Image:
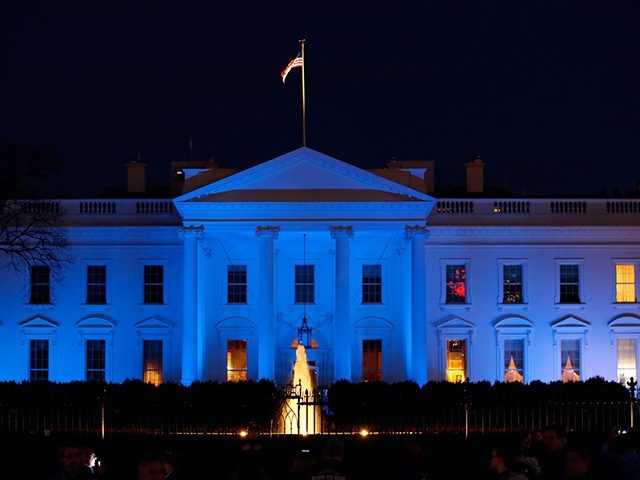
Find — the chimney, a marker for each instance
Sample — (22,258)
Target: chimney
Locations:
(475,175)
(430,176)
(136,176)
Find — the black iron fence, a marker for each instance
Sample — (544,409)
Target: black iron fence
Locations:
(228,408)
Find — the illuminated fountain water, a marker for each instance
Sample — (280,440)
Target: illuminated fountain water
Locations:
(300,414)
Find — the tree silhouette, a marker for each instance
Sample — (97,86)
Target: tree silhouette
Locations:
(30,228)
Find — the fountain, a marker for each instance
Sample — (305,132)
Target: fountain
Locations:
(300,414)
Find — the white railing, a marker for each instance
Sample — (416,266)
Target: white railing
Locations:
(549,211)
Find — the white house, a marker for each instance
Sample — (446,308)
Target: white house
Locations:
(394,284)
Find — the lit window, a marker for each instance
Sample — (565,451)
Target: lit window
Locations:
(626,360)
(236,284)
(39,360)
(570,283)
(456,360)
(96,360)
(153,284)
(152,361)
(96,284)
(40,285)
(512,284)
(371,284)
(625,283)
(456,283)
(372,360)
(305,284)
(236,360)
(514,360)
(570,359)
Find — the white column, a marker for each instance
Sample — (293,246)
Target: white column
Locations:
(267,327)
(418,372)
(190,234)
(203,253)
(342,317)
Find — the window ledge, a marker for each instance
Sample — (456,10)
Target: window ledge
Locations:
(238,304)
(455,306)
(39,306)
(623,305)
(513,306)
(95,306)
(567,306)
(158,306)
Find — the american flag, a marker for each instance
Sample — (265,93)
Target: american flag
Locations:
(298,61)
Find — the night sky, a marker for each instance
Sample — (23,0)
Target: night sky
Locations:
(548,93)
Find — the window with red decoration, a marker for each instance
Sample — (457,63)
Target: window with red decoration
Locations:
(456,282)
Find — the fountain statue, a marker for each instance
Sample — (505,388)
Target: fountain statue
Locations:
(300,414)
(568,373)
(512,375)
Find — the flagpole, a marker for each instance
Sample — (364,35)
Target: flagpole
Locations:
(304,103)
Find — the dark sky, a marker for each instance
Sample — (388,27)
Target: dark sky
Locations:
(548,92)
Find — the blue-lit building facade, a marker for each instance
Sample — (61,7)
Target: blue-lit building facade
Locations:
(215,283)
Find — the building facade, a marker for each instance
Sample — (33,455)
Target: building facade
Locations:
(394,284)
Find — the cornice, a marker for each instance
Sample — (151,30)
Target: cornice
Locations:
(149,234)
(524,235)
(223,206)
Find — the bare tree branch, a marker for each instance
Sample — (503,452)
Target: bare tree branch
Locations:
(30,229)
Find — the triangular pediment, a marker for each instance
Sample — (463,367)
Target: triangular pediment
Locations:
(570,322)
(456,323)
(304,175)
(38,322)
(154,322)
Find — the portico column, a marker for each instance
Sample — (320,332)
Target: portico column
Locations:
(342,318)
(418,373)
(190,234)
(267,328)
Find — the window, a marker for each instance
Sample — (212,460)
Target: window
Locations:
(39,360)
(40,285)
(456,360)
(571,360)
(625,283)
(372,284)
(96,284)
(456,283)
(96,360)
(372,360)
(512,284)
(305,284)
(236,284)
(236,360)
(570,283)
(514,360)
(153,284)
(152,361)
(626,360)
